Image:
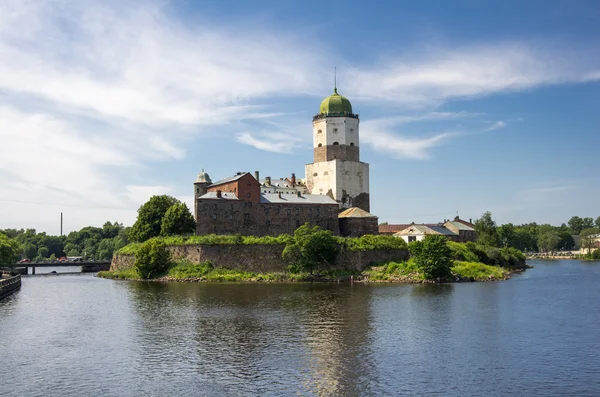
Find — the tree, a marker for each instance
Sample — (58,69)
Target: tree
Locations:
(548,241)
(587,223)
(485,227)
(588,237)
(152,259)
(507,235)
(9,250)
(597,222)
(178,220)
(311,248)
(575,225)
(433,256)
(150,217)
(42,252)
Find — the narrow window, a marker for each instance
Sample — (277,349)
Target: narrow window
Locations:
(320,144)
(318,132)
(248,195)
(351,143)
(335,130)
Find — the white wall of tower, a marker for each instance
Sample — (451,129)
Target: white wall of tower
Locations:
(343,130)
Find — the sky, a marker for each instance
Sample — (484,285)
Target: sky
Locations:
(465,106)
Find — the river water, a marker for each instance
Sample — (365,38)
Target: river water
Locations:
(537,334)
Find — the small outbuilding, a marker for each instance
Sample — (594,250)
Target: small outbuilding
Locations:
(356,222)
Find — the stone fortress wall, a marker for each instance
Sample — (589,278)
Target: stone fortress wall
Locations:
(260,258)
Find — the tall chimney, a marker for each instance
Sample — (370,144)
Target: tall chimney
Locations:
(219,194)
(256,176)
(293,179)
(279,194)
(268,181)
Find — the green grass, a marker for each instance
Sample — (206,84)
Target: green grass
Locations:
(479,271)
(395,271)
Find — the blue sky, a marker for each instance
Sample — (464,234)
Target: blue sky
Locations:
(465,106)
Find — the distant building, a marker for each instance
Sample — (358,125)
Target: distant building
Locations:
(457,230)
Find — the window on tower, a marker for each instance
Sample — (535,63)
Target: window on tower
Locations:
(335,143)
(320,144)
(318,132)
(335,130)
(351,143)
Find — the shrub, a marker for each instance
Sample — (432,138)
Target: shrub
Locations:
(152,259)
(311,248)
(478,271)
(432,256)
(370,242)
(461,252)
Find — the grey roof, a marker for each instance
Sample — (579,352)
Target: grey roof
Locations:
(203,178)
(295,199)
(224,196)
(425,229)
(461,226)
(230,179)
(277,182)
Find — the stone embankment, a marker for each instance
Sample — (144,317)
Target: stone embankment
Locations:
(9,284)
(259,258)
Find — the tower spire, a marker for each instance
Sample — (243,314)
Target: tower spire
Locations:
(335,79)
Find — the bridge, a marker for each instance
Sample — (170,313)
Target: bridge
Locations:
(86,266)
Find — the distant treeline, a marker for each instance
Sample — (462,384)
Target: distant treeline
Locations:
(90,242)
(531,237)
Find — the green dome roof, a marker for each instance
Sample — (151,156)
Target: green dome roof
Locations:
(335,103)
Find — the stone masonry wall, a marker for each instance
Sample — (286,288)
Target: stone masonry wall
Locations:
(259,258)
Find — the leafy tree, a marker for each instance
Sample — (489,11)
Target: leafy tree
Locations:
(311,248)
(597,222)
(588,223)
(485,227)
(566,241)
(150,217)
(152,259)
(178,220)
(548,241)
(52,258)
(42,252)
(575,225)
(507,235)
(433,256)
(30,250)
(9,250)
(588,238)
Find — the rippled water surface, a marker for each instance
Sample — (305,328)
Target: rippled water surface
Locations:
(537,334)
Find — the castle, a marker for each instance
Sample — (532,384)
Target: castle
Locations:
(334,194)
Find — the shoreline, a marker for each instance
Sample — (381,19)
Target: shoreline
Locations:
(284,278)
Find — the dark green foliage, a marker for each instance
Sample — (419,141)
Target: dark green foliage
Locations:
(178,220)
(312,248)
(487,233)
(152,259)
(432,256)
(9,250)
(150,217)
(548,241)
(370,242)
(471,252)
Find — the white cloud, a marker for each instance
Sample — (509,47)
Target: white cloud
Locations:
(497,125)
(438,74)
